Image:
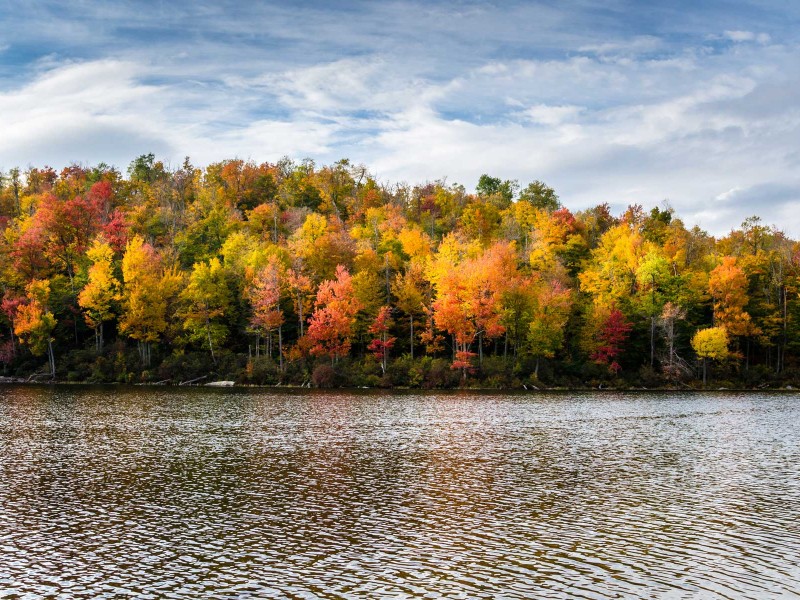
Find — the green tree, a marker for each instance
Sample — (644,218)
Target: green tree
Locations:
(540,195)
(206,302)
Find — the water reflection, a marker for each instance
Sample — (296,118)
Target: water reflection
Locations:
(186,493)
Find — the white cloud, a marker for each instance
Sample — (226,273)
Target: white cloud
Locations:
(747,36)
(722,197)
(420,93)
(545,114)
(636,45)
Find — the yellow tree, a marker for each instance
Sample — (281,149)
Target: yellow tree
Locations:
(147,292)
(610,276)
(321,245)
(34,323)
(712,343)
(409,289)
(101,292)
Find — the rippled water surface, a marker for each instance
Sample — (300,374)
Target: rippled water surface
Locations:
(195,493)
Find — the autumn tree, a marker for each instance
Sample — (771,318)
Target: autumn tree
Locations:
(102,291)
(34,322)
(206,302)
(382,343)
(330,327)
(550,311)
(148,288)
(409,290)
(710,343)
(611,336)
(468,297)
(727,284)
(320,246)
(265,294)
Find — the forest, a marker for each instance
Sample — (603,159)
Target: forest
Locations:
(298,274)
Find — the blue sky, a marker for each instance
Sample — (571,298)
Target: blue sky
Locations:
(607,101)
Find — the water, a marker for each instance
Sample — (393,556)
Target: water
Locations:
(164,493)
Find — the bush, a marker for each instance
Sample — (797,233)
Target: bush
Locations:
(497,372)
(649,377)
(408,372)
(296,373)
(261,371)
(185,367)
(323,376)
(440,375)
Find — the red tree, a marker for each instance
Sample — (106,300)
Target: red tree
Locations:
(383,343)
(612,335)
(331,325)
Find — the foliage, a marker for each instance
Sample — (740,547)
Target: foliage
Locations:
(610,338)
(331,325)
(711,343)
(426,285)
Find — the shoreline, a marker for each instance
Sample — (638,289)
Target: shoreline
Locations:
(230,386)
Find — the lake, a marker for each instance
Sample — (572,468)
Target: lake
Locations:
(186,493)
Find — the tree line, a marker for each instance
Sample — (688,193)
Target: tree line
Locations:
(292,273)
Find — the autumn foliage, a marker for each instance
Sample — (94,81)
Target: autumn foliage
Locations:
(267,272)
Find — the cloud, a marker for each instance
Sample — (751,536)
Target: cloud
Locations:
(545,114)
(600,101)
(82,111)
(775,202)
(747,36)
(636,45)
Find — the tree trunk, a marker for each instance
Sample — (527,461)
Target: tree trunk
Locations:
(705,363)
(280,347)
(384,361)
(13,338)
(300,316)
(747,355)
(210,343)
(52,358)
(652,341)
(411,337)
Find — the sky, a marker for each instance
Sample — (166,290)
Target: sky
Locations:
(696,104)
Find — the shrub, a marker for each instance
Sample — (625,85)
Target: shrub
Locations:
(440,375)
(261,371)
(323,376)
